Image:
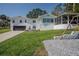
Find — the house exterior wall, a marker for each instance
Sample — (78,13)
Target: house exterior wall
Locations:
(47,25)
(17,22)
(29,24)
(62,26)
(39,24)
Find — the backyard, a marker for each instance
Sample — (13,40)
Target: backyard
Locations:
(28,43)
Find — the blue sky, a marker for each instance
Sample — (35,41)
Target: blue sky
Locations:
(21,9)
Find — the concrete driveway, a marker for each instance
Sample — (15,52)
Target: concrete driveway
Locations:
(10,34)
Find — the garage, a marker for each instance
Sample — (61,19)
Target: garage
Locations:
(19,27)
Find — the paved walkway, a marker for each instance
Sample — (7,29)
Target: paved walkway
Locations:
(62,47)
(7,35)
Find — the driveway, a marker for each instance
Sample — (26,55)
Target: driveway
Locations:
(10,34)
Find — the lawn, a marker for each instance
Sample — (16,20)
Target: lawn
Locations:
(3,30)
(27,43)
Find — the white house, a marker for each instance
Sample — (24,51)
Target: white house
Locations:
(44,22)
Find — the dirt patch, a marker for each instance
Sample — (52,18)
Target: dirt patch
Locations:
(40,52)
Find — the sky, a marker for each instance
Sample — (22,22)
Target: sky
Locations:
(21,9)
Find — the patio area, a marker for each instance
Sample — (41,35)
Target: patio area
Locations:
(62,47)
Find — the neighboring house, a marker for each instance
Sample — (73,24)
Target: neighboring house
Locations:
(44,22)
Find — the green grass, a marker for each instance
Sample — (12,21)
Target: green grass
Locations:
(26,43)
(3,30)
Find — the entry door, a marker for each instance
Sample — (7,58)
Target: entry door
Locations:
(34,27)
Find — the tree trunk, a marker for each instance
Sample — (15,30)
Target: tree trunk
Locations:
(73,7)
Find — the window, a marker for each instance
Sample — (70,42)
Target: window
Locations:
(25,21)
(34,21)
(34,27)
(59,20)
(20,21)
(13,21)
(51,20)
(44,20)
(47,20)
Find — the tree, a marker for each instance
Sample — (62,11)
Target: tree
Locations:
(4,21)
(35,13)
(58,10)
(66,7)
(71,7)
(77,7)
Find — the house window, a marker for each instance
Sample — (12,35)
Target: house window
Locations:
(20,21)
(34,27)
(25,21)
(13,21)
(34,21)
(44,20)
(51,20)
(47,20)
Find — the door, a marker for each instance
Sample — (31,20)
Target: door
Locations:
(19,27)
(34,27)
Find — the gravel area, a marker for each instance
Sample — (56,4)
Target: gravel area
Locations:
(10,34)
(62,47)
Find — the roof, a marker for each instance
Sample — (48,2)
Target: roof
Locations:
(65,13)
(48,15)
(18,17)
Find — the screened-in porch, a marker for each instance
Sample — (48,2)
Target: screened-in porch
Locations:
(66,18)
